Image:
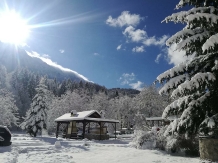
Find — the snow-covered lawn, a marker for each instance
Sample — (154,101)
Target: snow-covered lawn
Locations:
(25,149)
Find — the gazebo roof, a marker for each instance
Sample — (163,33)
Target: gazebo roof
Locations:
(84,115)
(170,118)
(154,119)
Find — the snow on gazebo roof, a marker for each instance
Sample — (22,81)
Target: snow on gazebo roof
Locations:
(154,119)
(170,118)
(84,115)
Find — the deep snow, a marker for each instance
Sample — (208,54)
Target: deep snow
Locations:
(45,149)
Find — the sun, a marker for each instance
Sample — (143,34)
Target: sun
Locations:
(13,29)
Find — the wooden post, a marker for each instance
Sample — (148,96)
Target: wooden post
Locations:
(84,129)
(115,131)
(100,130)
(89,128)
(71,129)
(57,129)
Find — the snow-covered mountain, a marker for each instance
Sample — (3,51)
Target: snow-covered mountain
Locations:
(14,57)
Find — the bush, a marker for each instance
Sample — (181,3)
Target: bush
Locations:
(144,139)
(161,139)
(171,143)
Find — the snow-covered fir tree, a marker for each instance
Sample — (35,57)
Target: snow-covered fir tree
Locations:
(36,116)
(193,84)
(8,109)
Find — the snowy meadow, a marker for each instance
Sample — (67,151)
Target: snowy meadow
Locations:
(46,149)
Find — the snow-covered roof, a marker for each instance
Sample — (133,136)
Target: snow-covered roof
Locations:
(154,119)
(170,118)
(102,120)
(84,115)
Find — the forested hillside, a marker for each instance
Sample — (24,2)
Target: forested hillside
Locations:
(19,90)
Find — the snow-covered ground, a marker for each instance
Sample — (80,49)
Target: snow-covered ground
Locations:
(25,149)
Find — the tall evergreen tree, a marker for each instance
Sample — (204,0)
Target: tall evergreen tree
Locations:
(36,116)
(8,109)
(193,84)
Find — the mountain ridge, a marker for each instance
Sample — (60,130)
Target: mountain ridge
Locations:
(13,57)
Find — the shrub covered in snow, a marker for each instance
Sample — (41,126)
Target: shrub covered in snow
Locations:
(161,139)
(164,141)
(144,139)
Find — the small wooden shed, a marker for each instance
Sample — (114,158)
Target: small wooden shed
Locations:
(159,121)
(86,124)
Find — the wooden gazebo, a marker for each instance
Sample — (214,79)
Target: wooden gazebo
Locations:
(86,124)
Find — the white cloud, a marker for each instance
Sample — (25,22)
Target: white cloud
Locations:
(45,56)
(138,35)
(61,51)
(125,19)
(135,35)
(119,47)
(51,63)
(138,49)
(138,85)
(158,58)
(153,41)
(96,54)
(175,57)
(132,34)
(127,78)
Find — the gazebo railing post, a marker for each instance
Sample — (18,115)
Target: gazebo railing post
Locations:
(84,129)
(57,129)
(100,130)
(115,131)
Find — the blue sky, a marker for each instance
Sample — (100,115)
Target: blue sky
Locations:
(115,43)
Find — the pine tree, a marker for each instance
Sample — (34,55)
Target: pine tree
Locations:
(8,109)
(36,116)
(192,84)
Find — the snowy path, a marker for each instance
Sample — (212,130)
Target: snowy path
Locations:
(26,149)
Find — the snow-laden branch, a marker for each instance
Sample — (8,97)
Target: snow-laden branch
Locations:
(176,106)
(172,83)
(181,35)
(210,18)
(194,13)
(210,43)
(196,82)
(188,41)
(172,72)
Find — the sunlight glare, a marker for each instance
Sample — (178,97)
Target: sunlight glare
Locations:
(13,28)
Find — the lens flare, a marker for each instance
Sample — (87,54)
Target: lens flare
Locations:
(13,28)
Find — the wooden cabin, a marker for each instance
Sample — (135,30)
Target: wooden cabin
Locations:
(87,124)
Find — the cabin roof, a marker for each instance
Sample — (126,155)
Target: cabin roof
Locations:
(170,118)
(154,119)
(91,115)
